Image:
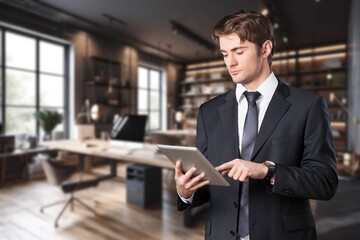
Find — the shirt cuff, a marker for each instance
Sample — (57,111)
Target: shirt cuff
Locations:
(186,200)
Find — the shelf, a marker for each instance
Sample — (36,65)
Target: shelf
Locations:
(340,126)
(319,88)
(201,95)
(209,81)
(110,104)
(106,84)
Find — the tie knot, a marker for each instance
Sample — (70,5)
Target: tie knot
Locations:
(251,96)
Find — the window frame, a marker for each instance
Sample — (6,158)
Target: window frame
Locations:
(149,90)
(66,77)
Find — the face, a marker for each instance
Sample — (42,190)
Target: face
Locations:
(245,63)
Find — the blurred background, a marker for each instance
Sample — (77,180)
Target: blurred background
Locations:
(93,61)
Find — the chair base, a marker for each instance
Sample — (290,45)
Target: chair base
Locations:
(70,202)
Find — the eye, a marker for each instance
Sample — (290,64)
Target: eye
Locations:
(239,53)
(225,55)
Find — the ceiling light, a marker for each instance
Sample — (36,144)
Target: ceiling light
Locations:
(177,28)
(276,25)
(285,39)
(265,12)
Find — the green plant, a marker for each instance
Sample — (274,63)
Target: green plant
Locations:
(48,120)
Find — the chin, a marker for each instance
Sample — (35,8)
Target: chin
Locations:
(238,80)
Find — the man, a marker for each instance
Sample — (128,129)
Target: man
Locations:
(272,142)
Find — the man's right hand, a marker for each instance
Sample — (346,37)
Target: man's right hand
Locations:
(186,184)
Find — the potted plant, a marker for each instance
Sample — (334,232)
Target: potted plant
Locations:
(48,120)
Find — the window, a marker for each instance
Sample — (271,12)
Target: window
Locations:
(150,92)
(34,78)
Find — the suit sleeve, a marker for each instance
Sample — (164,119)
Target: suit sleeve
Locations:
(316,178)
(202,195)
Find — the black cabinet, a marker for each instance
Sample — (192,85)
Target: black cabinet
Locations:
(143,185)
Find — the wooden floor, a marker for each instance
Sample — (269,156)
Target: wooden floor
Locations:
(20,217)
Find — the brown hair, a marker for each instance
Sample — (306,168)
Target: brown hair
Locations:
(251,26)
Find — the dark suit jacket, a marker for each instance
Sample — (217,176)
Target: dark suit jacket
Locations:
(296,135)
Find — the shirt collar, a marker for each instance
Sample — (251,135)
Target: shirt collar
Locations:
(266,89)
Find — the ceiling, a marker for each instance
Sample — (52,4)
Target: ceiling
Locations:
(146,24)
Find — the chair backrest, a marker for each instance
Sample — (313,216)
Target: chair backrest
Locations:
(54,172)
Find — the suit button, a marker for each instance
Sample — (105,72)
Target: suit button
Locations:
(232,233)
(235,205)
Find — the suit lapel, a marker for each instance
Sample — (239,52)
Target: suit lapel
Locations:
(276,110)
(228,118)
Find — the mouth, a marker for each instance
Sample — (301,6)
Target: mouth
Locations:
(234,72)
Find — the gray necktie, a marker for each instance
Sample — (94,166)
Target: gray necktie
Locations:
(247,146)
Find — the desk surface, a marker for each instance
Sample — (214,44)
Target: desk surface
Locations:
(99,148)
(20,152)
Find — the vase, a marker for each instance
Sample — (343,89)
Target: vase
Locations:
(47,136)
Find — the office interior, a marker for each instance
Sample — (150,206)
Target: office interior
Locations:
(87,67)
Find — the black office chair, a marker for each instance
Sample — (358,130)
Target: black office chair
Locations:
(67,176)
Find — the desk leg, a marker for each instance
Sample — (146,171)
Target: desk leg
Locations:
(113,168)
(81,162)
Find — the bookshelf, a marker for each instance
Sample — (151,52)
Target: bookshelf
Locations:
(106,89)
(322,70)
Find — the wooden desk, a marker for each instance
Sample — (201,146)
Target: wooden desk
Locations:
(99,148)
(23,154)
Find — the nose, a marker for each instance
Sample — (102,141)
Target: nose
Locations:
(232,61)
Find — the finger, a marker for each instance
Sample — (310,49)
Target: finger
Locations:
(199,185)
(197,178)
(194,181)
(225,166)
(190,173)
(244,176)
(225,173)
(178,169)
(237,175)
(232,172)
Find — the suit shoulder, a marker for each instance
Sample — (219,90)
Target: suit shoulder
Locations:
(302,95)
(218,100)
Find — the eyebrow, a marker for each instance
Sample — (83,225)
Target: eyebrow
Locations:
(233,49)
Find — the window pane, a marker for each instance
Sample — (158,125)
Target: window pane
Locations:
(154,80)
(143,78)
(51,91)
(154,100)
(20,51)
(154,120)
(20,120)
(20,88)
(51,58)
(142,99)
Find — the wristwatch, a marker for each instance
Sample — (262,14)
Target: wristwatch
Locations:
(271,169)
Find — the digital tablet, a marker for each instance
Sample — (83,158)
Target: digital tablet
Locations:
(192,157)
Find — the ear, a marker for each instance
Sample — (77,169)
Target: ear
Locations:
(266,48)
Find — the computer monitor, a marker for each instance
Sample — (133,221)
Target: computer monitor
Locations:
(129,128)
